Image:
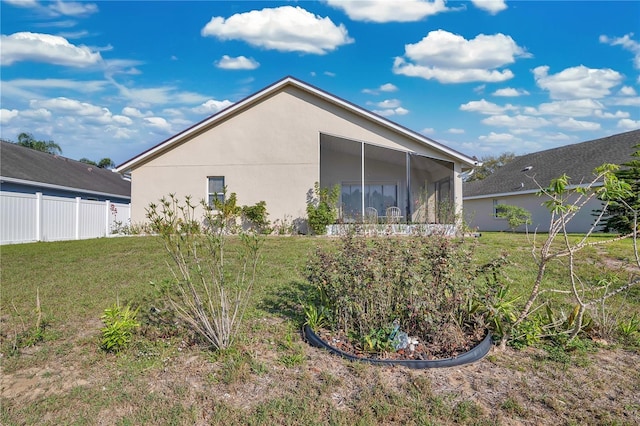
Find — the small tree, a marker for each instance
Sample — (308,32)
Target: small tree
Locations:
(322,207)
(619,217)
(515,215)
(564,202)
(489,165)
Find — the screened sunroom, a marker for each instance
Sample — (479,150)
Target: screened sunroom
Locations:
(375,181)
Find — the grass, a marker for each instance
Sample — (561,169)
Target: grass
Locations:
(270,376)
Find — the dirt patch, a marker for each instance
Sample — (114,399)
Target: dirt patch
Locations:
(510,387)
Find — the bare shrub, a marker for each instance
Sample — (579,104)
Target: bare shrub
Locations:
(211,291)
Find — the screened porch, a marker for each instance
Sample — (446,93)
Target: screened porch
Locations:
(382,185)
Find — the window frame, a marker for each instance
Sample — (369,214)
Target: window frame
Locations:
(219,195)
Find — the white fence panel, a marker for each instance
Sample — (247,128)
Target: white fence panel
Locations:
(34,217)
(58,218)
(92,219)
(17,217)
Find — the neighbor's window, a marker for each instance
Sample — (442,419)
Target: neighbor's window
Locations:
(216,189)
(496,203)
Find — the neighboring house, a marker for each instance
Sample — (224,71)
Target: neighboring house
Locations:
(275,144)
(515,183)
(46,197)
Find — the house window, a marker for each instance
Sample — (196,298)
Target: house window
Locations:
(216,189)
(496,203)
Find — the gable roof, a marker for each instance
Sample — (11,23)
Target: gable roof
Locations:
(577,160)
(27,166)
(270,90)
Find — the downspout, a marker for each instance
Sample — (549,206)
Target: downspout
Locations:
(362,178)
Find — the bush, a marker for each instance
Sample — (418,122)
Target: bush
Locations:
(322,208)
(425,284)
(257,216)
(515,215)
(118,328)
(208,297)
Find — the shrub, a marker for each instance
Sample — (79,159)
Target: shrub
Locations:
(515,215)
(424,283)
(119,324)
(322,208)
(209,297)
(257,216)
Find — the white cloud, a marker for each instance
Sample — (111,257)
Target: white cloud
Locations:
(484,107)
(628,124)
(577,125)
(387,87)
(6,115)
(22,3)
(450,58)
(510,92)
(617,114)
(499,137)
(389,103)
(237,63)
(389,11)
(624,101)
(36,47)
(71,8)
(428,131)
(491,6)
(40,114)
(627,44)
(159,123)
(455,131)
(569,108)
(392,111)
(286,28)
(627,91)
(135,112)
(577,82)
(518,121)
(212,106)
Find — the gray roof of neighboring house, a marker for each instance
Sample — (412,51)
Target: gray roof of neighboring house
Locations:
(24,165)
(577,160)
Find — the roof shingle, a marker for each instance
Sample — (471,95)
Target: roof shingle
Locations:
(26,164)
(577,160)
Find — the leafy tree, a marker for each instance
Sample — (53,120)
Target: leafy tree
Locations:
(105,163)
(515,215)
(490,164)
(620,213)
(27,140)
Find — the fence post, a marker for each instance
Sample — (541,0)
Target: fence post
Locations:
(38,216)
(77,218)
(107,217)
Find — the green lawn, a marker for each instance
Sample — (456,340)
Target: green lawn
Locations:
(271,376)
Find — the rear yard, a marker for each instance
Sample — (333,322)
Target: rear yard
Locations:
(59,375)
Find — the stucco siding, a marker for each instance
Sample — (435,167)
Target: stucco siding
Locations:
(479,214)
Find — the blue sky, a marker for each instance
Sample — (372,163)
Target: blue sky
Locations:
(112,79)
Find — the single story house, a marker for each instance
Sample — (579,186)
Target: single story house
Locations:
(46,197)
(275,144)
(515,182)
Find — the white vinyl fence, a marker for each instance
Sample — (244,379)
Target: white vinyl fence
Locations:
(37,217)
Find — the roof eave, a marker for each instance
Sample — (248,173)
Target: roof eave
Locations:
(61,187)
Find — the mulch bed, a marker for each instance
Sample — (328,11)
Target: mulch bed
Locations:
(421,351)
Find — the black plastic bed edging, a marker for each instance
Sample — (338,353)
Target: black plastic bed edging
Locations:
(475,354)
